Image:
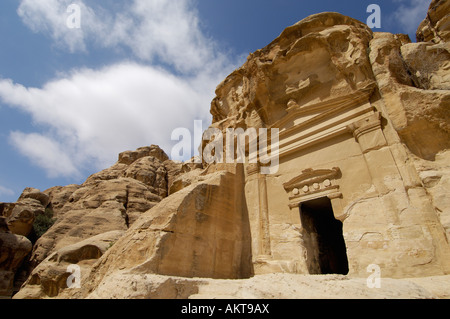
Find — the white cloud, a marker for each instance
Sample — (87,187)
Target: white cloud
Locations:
(50,16)
(46,153)
(90,116)
(168,31)
(410,14)
(84,118)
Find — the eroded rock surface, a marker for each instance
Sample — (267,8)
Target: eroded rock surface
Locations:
(436,27)
(13,249)
(363,122)
(109,202)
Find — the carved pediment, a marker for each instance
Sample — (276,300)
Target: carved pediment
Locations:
(311,176)
(313,184)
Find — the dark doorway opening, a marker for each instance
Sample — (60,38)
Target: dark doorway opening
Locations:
(323,238)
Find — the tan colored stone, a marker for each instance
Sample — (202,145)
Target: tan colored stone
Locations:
(436,26)
(129,157)
(415,94)
(13,249)
(429,64)
(151,172)
(322,49)
(94,209)
(185,179)
(109,200)
(22,217)
(49,279)
(361,182)
(125,285)
(6,209)
(199,231)
(59,196)
(36,194)
(435,177)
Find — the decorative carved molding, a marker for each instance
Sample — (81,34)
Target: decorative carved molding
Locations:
(312,184)
(366,125)
(311,176)
(368,133)
(305,126)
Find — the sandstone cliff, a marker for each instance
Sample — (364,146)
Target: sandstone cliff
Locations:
(364,138)
(436,27)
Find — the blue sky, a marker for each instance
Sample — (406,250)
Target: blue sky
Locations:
(71,99)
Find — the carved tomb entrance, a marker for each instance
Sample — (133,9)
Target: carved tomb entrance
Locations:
(323,238)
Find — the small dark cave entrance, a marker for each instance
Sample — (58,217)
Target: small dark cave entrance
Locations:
(323,238)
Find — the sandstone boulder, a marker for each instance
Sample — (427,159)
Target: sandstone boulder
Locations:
(50,278)
(428,64)
(23,215)
(36,194)
(200,231)
(435,177)
(13,249)
(151,172)
(91,214)
(129,157)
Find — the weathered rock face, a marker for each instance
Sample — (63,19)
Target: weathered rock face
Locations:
(362,179)
(319,59)
(21,215)
(200,231)
(13,249)
(435,176)
(59,196)
(50,278)
(436,27)
(109,202)
(354,108)
(414,82)
(16,235)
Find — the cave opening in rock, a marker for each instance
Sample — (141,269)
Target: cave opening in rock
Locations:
(323,238)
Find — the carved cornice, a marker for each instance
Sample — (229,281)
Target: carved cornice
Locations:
(366,125)
(306,126)
(310,176)
(368,133)
(312,184)
(329,107)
